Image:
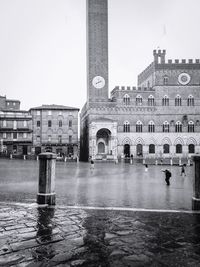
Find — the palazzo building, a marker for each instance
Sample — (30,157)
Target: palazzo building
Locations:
(158,118)
(15,128)
(55,129)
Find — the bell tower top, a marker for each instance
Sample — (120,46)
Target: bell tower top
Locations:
(97,50)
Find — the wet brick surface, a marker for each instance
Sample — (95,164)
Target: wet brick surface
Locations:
(33,236)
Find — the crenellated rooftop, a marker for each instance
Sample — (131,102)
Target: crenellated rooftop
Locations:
(131,88)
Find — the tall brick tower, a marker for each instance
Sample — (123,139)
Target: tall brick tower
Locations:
(97,50)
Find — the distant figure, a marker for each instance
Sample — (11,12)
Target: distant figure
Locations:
(167,176)
(92,164)
(161,162)
(183,170)
(131,161)
(146,168)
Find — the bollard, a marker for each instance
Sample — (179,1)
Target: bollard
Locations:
(37,158)
(156,162)
(11,156)
(196,184)
(179,161)
(188,162)
(46,190)
(171,162)
(24,157)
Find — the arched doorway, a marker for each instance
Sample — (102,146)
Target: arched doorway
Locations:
(103,138)
(127,151)
(101,148)
(139,150)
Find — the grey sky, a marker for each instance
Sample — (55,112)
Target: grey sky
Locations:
(43,49)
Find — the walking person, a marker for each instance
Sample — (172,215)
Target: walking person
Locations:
(167,176)
(183,170)
(146,167)
(92,164)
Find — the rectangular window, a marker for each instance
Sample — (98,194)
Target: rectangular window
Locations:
(49,123)
(25,123)
(70,123)
(49,113)
(38,113)
(38,138)
(60,139)
(14,135)
(70,139)
(60,123)
(4,123)
(4,136)
(49,138)
(15,125)
(38,123)
(24,135)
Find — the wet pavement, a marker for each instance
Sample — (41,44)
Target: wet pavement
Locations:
(116,215)
(32,236)
(121,185)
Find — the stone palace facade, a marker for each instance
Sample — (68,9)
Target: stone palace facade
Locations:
(158,118)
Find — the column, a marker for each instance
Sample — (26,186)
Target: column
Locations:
(46,189)
(196,184)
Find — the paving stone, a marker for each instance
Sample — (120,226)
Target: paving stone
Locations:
(11,260)
(26,230)
(24,245)
(60,258)
(14,227)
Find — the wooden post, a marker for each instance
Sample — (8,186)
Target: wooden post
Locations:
(46,189)
(196,184)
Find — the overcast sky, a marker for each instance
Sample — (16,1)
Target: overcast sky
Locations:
(43,45)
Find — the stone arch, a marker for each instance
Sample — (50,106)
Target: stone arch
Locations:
(166,140)
(60,131)
(139,140)
(178,141)
(152,141)
(191,140)
(126,140)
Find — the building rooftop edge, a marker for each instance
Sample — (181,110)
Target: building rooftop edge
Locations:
(53,106)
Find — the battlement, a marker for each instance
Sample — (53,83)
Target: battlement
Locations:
(131,88)
(183,61)
(160,62)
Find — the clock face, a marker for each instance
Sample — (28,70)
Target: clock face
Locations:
(184,78)
(98,82)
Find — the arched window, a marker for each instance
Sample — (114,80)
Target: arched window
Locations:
(60,123)
(138,100)
(178,148)
(166,127)
(151,127)
(178,101)
(138,127)
(178,128)
(166,148)
(126,127)
(126,99)
(151,149)
(191,148)
(190,101)
(165,101)
(190,127)
(165,80)
(151,101)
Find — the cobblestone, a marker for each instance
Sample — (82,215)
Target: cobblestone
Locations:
(76,237)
